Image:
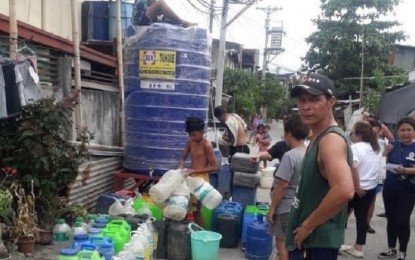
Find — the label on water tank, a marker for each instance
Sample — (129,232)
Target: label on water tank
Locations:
(156,84)
(157,64)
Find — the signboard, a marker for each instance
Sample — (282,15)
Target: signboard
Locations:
(157,64)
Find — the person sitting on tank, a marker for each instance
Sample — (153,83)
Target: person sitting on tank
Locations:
(148,11)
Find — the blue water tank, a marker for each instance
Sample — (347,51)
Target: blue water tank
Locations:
(95,21)
(126,15)
(166,79)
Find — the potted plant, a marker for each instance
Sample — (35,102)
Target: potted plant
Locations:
(25,229)
(6,211)
(38,146)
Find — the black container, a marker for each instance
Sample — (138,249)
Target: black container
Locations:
(229,226)
(178,241)
(162,229)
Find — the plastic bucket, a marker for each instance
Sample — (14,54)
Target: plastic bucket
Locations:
(205,244)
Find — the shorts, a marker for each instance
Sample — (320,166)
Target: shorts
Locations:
(379,188)
(279,227)
(140,17)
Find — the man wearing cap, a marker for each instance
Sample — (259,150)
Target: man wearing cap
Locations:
(318,215)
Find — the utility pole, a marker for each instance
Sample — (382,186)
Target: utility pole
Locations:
(222,41)
(13,29)
(268,10)
(120,70)
(363,67)
(211,15)
(77,66)
(221,54)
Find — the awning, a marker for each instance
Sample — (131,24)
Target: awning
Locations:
(397,104)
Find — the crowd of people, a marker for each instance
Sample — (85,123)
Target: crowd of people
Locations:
(324,174)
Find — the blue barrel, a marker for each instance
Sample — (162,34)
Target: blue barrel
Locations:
(259,242)
(126,15)
(95,20)
(167,79)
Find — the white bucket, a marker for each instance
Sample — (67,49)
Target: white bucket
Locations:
(269,171)
(266,182)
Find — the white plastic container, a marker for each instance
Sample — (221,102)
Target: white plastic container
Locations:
(178,204)
(165,186)
(267,178)
(79,229)
(62,232)
(204,192)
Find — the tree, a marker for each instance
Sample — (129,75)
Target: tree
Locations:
(248,96)
(337,43)
(243,88)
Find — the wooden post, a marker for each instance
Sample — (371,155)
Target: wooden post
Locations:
(120,70)
(43,14)
(13,29)
(77,66)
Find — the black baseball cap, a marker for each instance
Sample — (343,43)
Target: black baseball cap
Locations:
(314,84)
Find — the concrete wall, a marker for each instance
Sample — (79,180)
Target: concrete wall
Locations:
(57,16)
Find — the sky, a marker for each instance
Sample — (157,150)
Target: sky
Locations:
(296,15)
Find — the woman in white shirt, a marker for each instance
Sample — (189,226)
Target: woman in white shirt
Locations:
(366,163)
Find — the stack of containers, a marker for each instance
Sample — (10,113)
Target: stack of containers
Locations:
(167,79)
(246,178)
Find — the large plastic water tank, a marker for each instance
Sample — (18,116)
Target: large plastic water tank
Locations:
(167,71)
(126,14)
(94,20)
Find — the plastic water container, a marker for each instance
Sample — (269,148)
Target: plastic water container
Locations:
(229,227)
(62,232)
(95,232)
(79,240)
(205,244)
(204,192)
(116,238)
(250,215)
(68,254)
(244,195)
(267,177)
(228,208)
(80,229)
(259,242)
(207,216)
(106,250)
(225,181)
(89,252)
(178,241)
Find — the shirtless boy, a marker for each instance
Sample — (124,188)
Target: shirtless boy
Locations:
(203,159)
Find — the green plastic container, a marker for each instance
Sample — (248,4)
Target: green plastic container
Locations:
(156,211)
(89,254)
(251,209)
(207,216)
(121,225)
(117,240)
(138,203)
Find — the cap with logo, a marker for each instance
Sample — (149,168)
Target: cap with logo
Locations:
(314,84)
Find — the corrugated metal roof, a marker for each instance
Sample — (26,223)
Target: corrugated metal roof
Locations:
(94,179)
